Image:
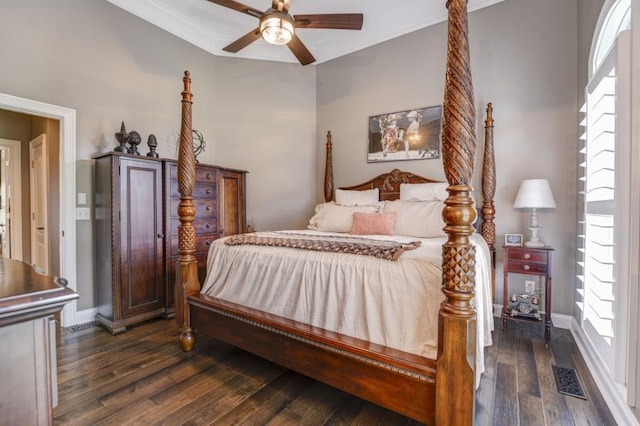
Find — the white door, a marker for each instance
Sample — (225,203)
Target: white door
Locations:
(39,202)
(11,187)
(5,216)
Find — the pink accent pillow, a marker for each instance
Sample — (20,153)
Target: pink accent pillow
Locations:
(373,223)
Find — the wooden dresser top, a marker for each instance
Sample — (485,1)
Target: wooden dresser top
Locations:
(25,292)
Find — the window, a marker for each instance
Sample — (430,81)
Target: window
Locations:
(605,182)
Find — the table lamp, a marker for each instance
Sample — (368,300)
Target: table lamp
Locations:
(534,195)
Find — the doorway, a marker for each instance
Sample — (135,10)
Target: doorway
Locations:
(65,238)
(10,199)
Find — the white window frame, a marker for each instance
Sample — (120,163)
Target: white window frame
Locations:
(620,385)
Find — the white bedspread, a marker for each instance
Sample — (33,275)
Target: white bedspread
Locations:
(392,303)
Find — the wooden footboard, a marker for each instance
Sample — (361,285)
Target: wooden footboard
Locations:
(397,380)
(430,391)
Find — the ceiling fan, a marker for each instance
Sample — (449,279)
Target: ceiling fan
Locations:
(277,26)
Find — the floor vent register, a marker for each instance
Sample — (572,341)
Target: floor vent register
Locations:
(567,382)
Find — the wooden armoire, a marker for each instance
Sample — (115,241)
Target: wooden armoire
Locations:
(136,231)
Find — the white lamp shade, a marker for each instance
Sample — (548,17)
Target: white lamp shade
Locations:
(534,194)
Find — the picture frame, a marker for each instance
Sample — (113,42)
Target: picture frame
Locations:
(413,134)
(514,240)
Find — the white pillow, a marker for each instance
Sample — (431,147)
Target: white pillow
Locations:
(347,197)
(332,217)
(422,219)
(430,191)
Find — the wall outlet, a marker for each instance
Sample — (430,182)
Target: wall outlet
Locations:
(529,286)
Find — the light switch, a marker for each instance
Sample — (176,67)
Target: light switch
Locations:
(83,213)
(82,198)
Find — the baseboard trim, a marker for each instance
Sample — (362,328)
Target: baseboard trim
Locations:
(561,321)
(82,317)
(612,393)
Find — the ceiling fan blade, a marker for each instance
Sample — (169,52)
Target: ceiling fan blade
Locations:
(243,41)
(232,4)
(300,51)
(336,21)
(281,5)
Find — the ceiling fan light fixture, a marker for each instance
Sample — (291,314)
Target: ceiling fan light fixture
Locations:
(276,28)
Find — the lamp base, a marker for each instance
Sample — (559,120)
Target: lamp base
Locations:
(534,241)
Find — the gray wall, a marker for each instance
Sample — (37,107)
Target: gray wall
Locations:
(524,59)
(111,66)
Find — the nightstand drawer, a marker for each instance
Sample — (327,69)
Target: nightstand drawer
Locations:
(528,255)
(527,267)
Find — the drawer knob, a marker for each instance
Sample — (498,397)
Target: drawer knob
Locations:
(526,267)
(208,243)
(208,175)
(208,191)
(527,256)
(208,208)
(208,225)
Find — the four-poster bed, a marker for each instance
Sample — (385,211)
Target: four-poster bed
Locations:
(432,390)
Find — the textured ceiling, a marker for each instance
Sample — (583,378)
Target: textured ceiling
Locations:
(211,27)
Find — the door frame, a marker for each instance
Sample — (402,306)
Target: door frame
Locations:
(15,164)
(67,118)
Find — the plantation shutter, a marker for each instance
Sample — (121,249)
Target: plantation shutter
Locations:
(604,236)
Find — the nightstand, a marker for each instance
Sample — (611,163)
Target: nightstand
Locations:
(520,307)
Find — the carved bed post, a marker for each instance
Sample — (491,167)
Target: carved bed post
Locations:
(455,377)
(187,267)
(488,191)
(328,172)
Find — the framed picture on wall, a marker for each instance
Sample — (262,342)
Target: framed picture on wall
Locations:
(413,134)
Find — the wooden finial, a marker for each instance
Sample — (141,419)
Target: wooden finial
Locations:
(328,171)
(488,229)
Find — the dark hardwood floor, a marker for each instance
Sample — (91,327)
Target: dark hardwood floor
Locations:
(142,377)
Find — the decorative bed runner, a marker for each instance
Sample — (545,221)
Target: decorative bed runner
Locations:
(389,250)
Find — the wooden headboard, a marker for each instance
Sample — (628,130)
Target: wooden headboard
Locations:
(389,183)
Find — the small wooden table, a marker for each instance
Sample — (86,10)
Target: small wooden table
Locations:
(28,302)
(529,261)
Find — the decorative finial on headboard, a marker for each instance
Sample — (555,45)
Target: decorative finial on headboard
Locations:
(328,172)
(488,229)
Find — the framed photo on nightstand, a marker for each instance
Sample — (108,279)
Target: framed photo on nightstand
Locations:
(512,239)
